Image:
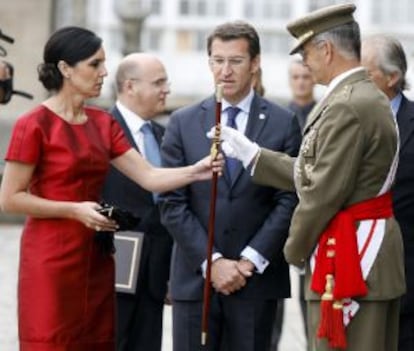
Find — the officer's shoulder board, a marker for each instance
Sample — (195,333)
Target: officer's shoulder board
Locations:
(345,93)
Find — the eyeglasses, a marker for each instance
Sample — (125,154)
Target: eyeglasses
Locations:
(233,62)
(159,83)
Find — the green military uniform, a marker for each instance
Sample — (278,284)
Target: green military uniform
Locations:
(349,144)
(346,153)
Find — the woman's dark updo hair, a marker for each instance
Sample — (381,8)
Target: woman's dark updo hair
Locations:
(69,44)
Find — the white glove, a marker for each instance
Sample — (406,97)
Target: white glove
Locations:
(236,145)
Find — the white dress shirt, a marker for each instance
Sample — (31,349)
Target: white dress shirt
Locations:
(241,120)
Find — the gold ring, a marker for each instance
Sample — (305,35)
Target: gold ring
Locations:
(97,228)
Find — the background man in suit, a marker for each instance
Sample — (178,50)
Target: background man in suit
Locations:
(249,272)
(142,87)
(301,85)
(343,174)
(384,58)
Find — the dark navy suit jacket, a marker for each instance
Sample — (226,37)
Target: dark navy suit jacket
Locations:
(403,196)
(246,213)
(123,192)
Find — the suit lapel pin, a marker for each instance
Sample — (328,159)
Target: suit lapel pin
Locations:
(262,116)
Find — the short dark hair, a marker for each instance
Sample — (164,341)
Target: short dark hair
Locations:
(236,30)
(70,44)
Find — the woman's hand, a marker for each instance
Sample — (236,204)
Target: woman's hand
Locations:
(86,212)
(205,168)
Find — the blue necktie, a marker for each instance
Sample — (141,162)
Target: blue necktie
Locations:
(231,162)
(151,148)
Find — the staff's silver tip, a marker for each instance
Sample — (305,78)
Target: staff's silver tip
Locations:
(203,338)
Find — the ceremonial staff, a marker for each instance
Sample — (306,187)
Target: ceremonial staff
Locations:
(212,218)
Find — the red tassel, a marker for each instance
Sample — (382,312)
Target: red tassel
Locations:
(338,336)
(325,324)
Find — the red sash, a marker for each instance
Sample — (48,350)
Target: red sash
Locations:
(337,274)
(344,261)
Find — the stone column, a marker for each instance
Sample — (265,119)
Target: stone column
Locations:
(69,12)
(132,14)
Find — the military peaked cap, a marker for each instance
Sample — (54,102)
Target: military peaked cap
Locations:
(319,21)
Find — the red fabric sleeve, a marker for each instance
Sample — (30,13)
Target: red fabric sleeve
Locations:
(26,141)
(119,142)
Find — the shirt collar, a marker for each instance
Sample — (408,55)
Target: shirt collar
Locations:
(133,121)
(395,104)
(243,105)
(339,78)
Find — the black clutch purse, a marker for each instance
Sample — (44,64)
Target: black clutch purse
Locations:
(125,220)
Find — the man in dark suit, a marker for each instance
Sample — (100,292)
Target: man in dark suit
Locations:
(384,58)
(142,87)
(301,86)
(249,272)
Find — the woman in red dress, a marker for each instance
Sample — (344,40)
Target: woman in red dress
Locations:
(55,167)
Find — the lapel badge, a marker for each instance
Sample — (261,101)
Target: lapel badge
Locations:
(262,116)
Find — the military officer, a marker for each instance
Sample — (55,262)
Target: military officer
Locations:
(343,229)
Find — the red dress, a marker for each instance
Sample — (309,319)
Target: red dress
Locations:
(66,286)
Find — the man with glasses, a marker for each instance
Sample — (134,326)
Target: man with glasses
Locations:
(142,88)
(249,273)
(343,229)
